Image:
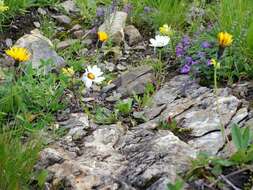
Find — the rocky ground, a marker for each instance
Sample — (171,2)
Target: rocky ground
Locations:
(143,157)
(122,155)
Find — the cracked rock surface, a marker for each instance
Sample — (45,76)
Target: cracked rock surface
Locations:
(143,157)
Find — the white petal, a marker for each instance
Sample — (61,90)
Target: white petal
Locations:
(84,77)
(99,79)
(153,42)
(96,71)
(89,69)
(88,83)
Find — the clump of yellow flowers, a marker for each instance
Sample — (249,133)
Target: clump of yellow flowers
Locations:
(68,71)
(3,7)
(19,54)
(166,30)
(103,36)
(225,39)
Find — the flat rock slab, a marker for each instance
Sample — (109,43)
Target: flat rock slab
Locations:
(143,157)
(197,108)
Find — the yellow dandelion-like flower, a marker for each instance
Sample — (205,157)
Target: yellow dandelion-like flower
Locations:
(103,36)
(19,54)
(68,71)
(166,30)
(3,7)
(225,39)
(215,63)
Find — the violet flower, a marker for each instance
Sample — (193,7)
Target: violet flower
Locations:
(100,12)
(205,45)
(186,41)
(185,69)
(127,8)
(188,60)
(209,62)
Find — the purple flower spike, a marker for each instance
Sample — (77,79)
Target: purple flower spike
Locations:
(127,8)
(186,41)
(185,69)
(188,60)
(100,12)
(205,45)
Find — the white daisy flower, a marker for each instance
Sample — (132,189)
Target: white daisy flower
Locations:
(92,74)
(159,41)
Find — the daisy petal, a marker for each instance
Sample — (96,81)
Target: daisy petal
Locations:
(88,83)
(99,79)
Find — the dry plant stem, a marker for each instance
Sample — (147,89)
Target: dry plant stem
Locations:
(228,182)
(231,174)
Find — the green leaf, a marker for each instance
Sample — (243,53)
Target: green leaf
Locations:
(41,178)
(236,137)
(250,37)
(178,185)
(246,138)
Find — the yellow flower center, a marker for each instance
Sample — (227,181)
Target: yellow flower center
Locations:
(91,76)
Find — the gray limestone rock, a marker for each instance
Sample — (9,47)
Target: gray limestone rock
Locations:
(114,26)
(135,80)
(41,49)
(132,35)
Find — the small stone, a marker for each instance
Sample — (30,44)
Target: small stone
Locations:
(121,67)
(36,24)
(62,19)
(8,42)
(114,98)
(87,42)
(89,99)
(84,51)
(132,34)
(75,28)
(42,11)
(69,6)
(65,44)
(78,34)
(108,88)
(110,66)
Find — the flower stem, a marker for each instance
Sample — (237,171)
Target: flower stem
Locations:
(225,137)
